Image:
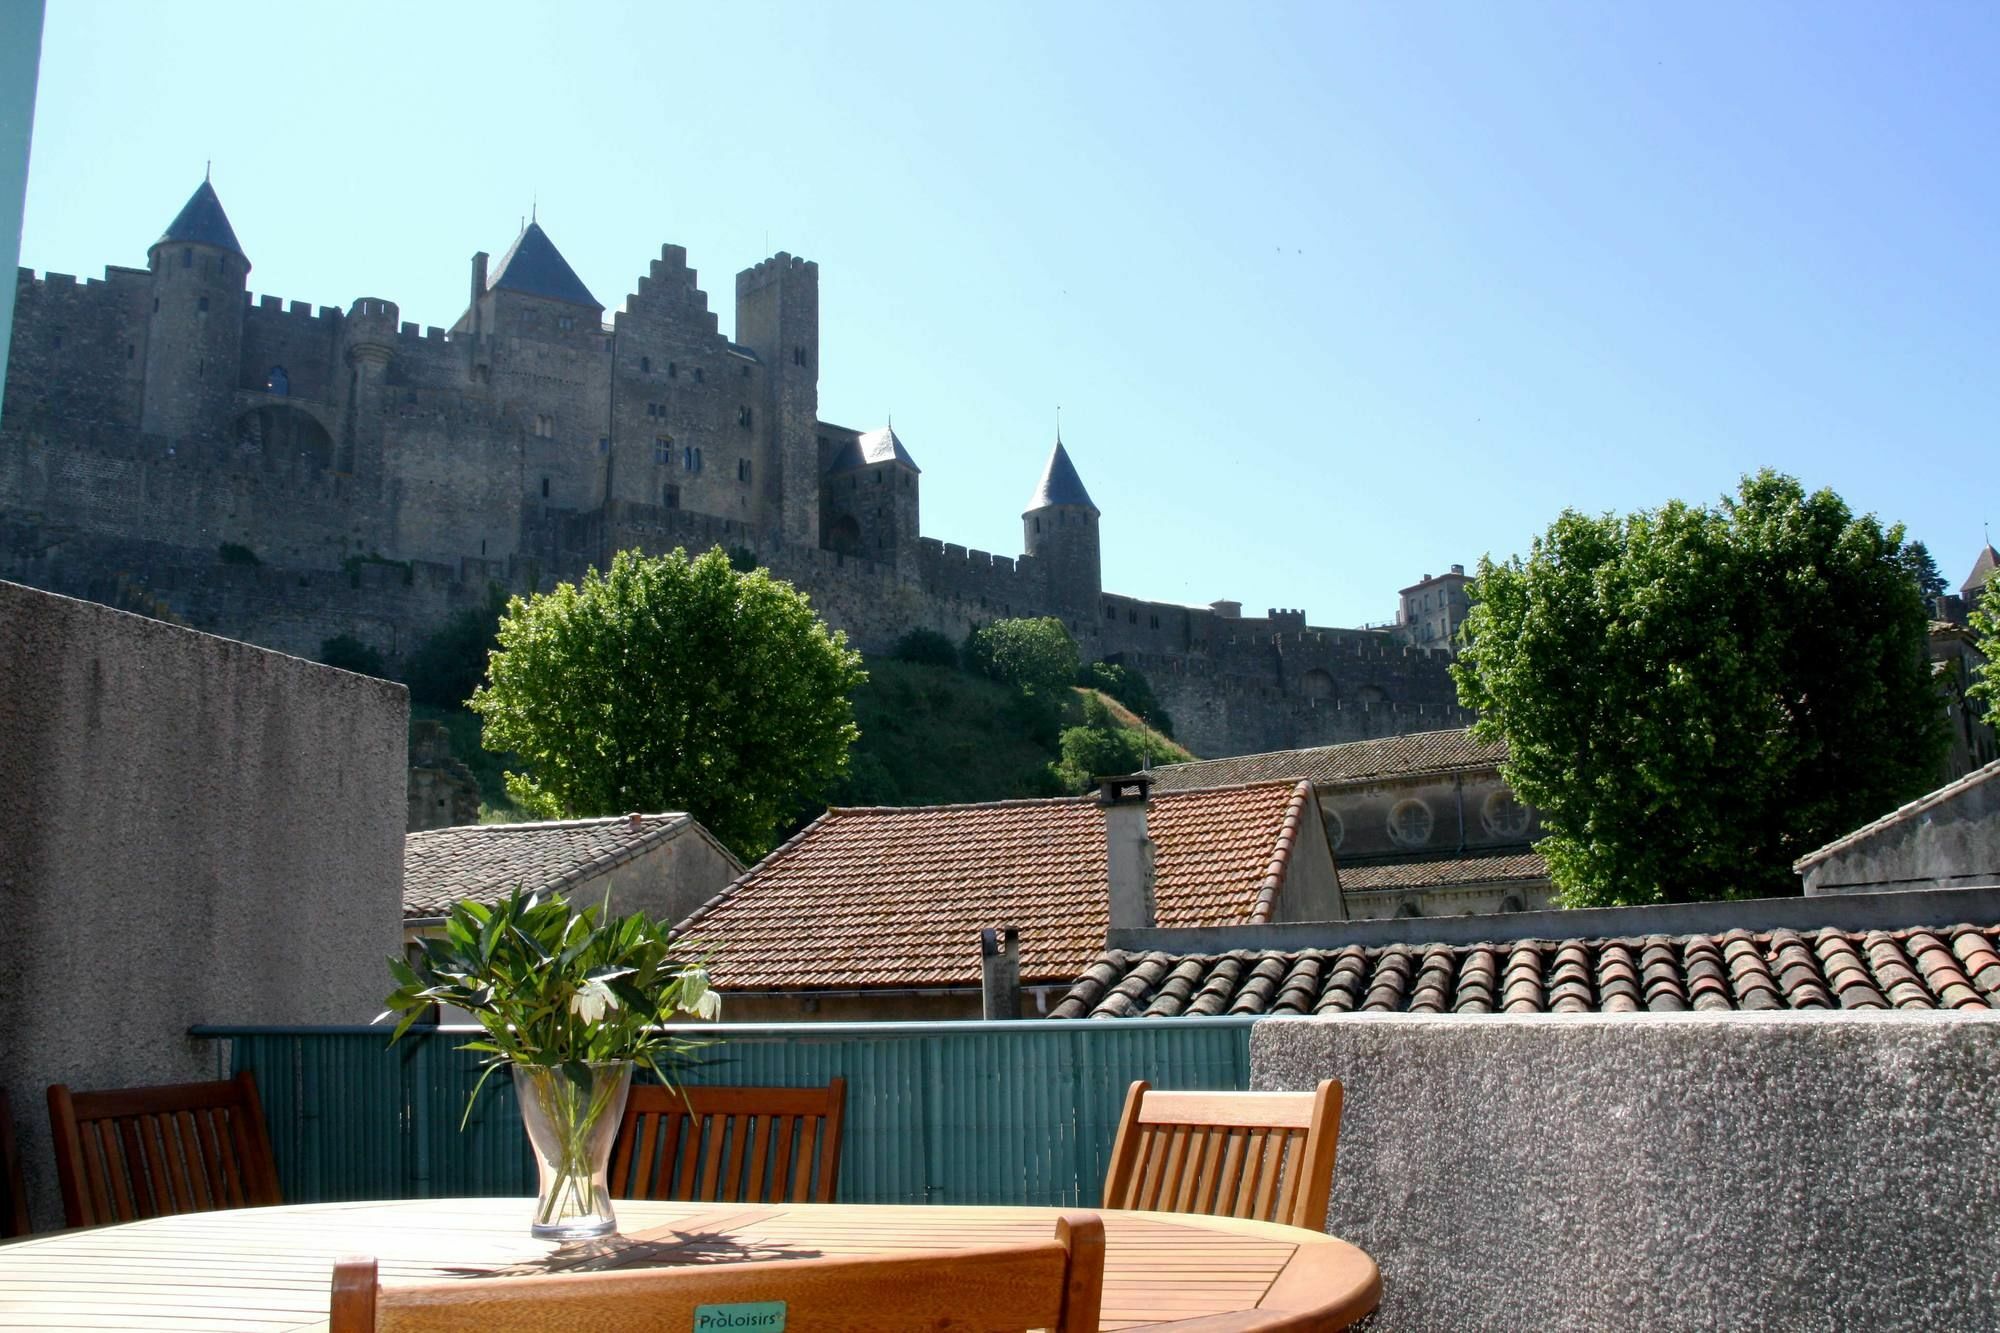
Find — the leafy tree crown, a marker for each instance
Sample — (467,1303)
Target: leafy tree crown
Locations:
(672,683)
(1036,655)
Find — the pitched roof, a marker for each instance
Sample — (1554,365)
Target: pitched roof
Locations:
(442,867)
(1951,791)
(1954,967)
(887,897)
(1329,765)
(201,221)
(1982,570)
(875,446)
(1059,484)
(534,267)
(1452,871)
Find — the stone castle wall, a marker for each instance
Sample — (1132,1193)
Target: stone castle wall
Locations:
(349,472)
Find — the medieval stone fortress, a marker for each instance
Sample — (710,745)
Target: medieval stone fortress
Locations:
(284,473)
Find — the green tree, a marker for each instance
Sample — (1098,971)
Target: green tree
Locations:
(1036,655)
(1131,688)
(672,683)
(926,647)
(350,654)
(448,666)
(1694,697)
(1930,581)
(1984,620)
(1101,747)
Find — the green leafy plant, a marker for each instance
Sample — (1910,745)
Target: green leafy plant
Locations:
(556,987)
(1036,655)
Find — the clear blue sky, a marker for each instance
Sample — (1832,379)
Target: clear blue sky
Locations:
(1331,295)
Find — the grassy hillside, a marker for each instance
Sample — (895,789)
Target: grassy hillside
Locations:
(930,735)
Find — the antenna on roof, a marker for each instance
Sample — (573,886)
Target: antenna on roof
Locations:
(207,170)
(1058,423)
(534,207)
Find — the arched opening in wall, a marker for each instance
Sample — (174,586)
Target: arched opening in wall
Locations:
(287,437)
(277,381)
(844,535)
(1371,696)
(1408,907)
(1316,684)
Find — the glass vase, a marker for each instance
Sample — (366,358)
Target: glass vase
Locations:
(572,1122)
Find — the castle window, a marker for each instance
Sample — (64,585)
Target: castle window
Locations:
(1134,616)
(604,444)
(691,457)
(202,305)
(697,375)
(798,356)
(663,449)
(878,479)
(743,417)
(131,351)
(673,370)
(746,372)
(565,323)
(1111,613)
(545,488)
(671,497)
(156,305)
(742,469)
(187,258)
(1038,525)
(1156,621)
(58,344)
(277,381)
(645,365)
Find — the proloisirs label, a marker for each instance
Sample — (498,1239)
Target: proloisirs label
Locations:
(741,1317)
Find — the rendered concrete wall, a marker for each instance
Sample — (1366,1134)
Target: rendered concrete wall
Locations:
(20,63)
(192,830)
(1949,839)
(1586,1172)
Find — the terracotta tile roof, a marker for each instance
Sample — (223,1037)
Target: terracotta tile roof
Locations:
(1442,871)
(444,866)
(896,897)
(1951,967)
(1332,765)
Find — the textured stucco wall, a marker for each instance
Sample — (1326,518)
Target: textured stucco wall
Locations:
(1947,843)
(196,831)
(1790,1171)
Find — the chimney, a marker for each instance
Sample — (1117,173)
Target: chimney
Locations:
(1128,852)
(1000,972)
(635,822)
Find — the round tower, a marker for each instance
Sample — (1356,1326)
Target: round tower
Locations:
(1059,532)
(194,336)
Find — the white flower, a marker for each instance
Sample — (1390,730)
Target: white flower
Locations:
(709,1005)
(591,1000)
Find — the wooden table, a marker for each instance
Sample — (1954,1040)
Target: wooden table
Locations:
(258,1269)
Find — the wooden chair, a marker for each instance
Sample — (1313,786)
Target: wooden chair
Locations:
(144,1152)
(1055,1284)
(732,1145)
(1262,1155)
(13,1191)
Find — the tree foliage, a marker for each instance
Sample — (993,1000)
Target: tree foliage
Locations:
(1694,697)
(1101,747)
(350,654)
(672,683)
(1924,569)
(1984,620)
(448,666)
(1036,655)
(1131,688)
(926,647)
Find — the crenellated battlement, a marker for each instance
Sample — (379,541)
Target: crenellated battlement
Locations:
(299,317)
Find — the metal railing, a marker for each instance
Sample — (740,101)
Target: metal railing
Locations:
(969,1113)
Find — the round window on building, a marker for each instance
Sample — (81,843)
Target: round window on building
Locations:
(1503,816)
(1410,823)
(1336,832)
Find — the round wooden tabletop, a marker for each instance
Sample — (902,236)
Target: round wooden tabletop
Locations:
(260,1269)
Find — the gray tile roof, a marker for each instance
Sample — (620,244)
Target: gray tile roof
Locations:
(1427,872)
(1060,485)
(1331,765)
(534,267)
(1950,967)
(1982,570)
(1951,791)
(442,867)
(875,446)
(201,221)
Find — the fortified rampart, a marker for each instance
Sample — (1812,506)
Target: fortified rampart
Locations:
(283,472)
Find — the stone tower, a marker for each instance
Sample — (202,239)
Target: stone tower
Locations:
(194,335)
(872,499)
(777,317)
(1059,530)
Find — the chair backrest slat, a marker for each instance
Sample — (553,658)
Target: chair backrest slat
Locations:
(13,1189)
(730,1145)
(134,1153)
(1055,1284)
(1262,1155)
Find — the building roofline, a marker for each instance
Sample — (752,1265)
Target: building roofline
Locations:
(1977,777)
